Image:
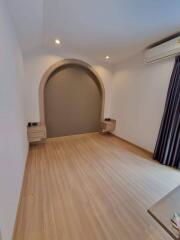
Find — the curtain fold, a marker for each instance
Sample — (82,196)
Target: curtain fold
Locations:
(167,150)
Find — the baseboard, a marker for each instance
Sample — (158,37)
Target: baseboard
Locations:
(21,191)
(70,136)
(134,145)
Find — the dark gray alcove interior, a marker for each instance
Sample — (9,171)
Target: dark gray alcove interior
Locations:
(73,101)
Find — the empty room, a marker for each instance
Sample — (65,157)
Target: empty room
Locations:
(89,120)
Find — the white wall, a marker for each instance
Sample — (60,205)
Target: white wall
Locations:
(37,63)
(135,93)
(13,143)
(138,98)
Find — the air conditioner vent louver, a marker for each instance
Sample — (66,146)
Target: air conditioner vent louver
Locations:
(164,50)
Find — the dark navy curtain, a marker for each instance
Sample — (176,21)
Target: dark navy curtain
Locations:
(167,150)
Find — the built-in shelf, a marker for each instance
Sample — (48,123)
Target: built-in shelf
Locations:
(36,133)
(108,125)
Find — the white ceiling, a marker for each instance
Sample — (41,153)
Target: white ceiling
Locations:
(95,28)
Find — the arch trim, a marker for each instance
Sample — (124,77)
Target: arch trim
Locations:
(48,73)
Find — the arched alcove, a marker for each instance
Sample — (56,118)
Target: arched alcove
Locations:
(57,67)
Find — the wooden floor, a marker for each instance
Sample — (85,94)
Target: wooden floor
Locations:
(91,187)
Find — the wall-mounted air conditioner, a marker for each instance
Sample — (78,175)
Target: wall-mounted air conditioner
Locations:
(164,50)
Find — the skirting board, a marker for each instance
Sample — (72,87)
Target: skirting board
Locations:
(21,191)
(143,149)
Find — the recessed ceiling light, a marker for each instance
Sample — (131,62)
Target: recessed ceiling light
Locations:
(107,57)
(57,41)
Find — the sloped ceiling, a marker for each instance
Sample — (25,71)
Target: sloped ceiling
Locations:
(96,28)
